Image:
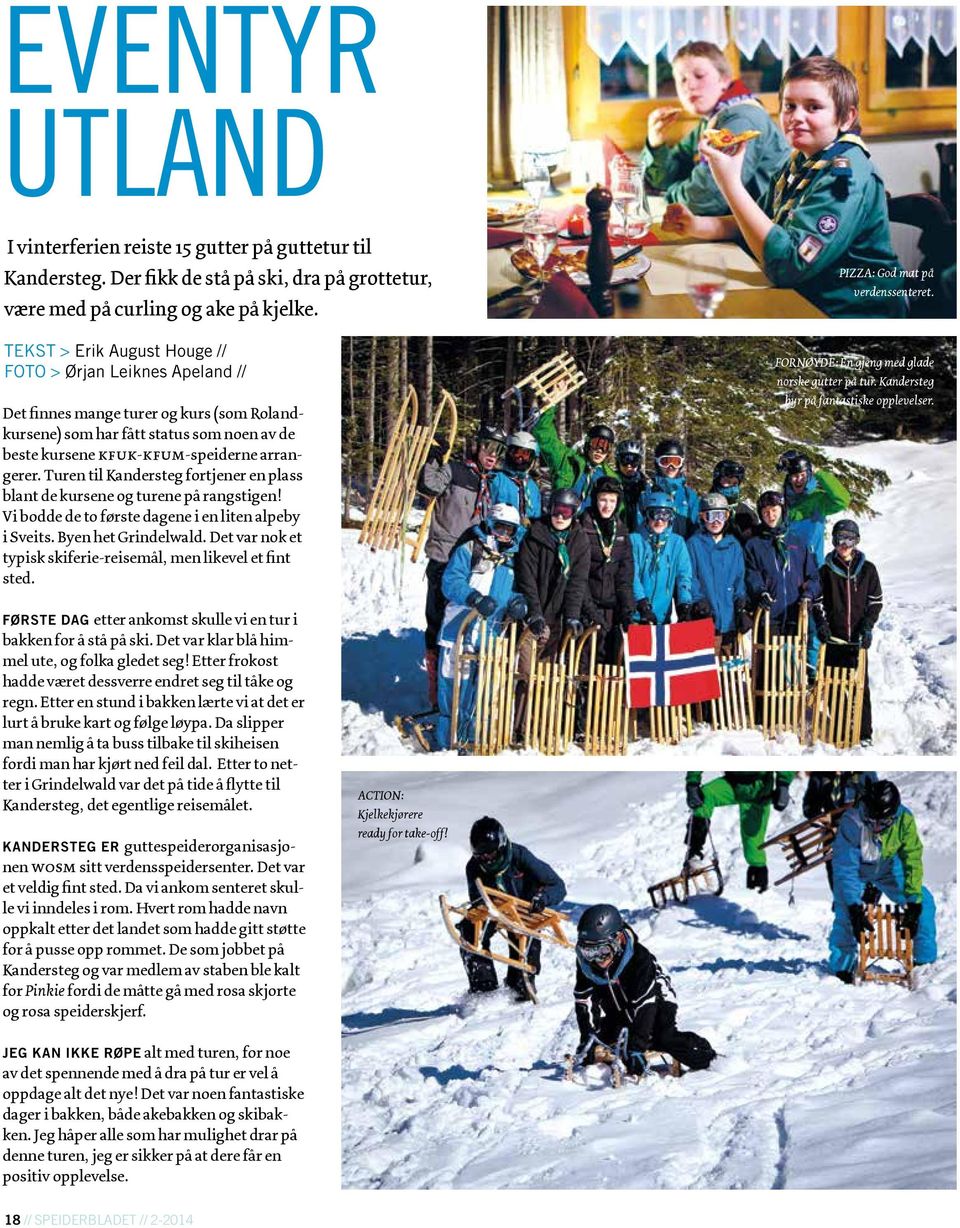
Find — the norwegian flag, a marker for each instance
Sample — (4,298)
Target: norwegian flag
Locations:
(671,665)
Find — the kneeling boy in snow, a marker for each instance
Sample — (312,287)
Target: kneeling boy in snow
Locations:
(620,985)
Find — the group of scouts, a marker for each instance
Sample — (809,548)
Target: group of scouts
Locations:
(612,546)
(876,852)
(805,200)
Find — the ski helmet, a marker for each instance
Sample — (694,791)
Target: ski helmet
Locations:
(846,533)
(714,502)
(489,844)
(630,452)
(669,450)
(601,431)
(600,935)
(792,463)
(503,522)
(728,469)
(565,500)
(491,436)
(522,450)
(881,802)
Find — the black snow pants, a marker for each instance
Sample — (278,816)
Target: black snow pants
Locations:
(688,1048)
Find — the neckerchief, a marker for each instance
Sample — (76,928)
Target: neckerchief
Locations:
(482,505)
(736,91)
(563,554)
(800,172)
(606,547)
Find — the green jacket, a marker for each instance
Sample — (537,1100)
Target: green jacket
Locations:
(569,467)
(833,245)
(682,175)
(854,842)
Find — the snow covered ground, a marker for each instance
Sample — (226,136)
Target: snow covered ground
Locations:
(911,539)
(819,1084)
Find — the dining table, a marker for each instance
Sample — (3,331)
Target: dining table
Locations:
(659,292)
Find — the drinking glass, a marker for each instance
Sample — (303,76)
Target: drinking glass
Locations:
(539,238)
(622,186)
(707,281)
(535,177)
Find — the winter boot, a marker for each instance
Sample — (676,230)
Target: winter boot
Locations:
(846,977)
(757,877)
(481,973)
(431,659)
(523,984)
(696,837)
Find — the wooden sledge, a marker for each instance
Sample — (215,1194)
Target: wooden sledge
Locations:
(493,659)
(734,709)
(706,881)
(549,716)
(779,674)
(509,916)
(838,702)
(604,1055)
(548,384)
(668,726)
(807,844)
(887,939)
(385,524)
(604,688)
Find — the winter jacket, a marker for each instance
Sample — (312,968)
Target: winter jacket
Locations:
(550,594)
(850,596)
(519,490)
(783,568)
(524,877)
(476,565)
(718,575)
(628,994)
(463,498)
(807,512)
(661,571)
(609,597)
(569,467)
(631,505)
(685,500)
(750,786)
(856,847)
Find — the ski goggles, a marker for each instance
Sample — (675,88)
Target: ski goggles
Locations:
(670,462)
(489,856)
(604,952)
(490,447)
(504,530)
(714,516)
(772,498)
(660,513)
(563,511)
(522,456)
(845,539)
(629,460)
(597,443)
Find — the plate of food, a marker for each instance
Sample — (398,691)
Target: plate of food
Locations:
(507,212)
(573,262)
(729,142)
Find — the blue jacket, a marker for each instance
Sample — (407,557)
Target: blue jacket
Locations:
(523,877)
(517,489)
(661,570)
(718,575)
(782,567)
(476,565)
(686,502)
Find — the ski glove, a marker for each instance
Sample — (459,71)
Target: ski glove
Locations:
(781,795)
(517,607)
(485,606)
(858,919)
(820,622)
(538,904)
(742,617)
(765,601)
(911,916)
(684,611)
(865,638)
(575,627)
(694,795)
(645,612)
(538,628)
(696,836)
(701,609)
(636,1063)
(871,894)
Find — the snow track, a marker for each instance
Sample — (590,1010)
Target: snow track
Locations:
(818,1084)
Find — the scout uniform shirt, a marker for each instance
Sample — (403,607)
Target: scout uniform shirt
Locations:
(684,176)
(832,234)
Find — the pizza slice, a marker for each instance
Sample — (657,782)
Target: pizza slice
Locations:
(723,138)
